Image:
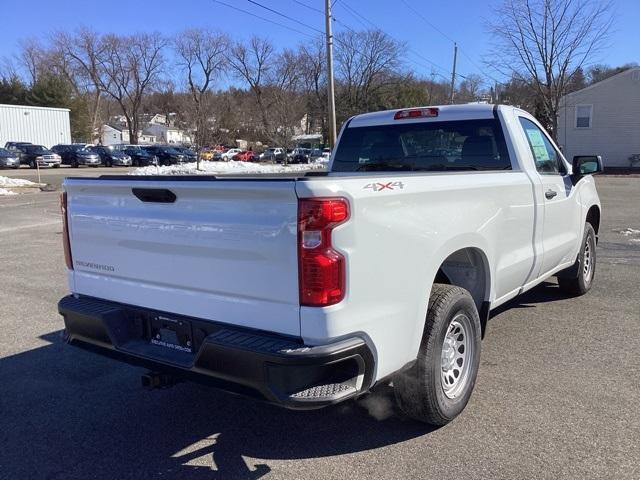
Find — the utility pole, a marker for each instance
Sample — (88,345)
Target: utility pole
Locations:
(453,73)
(330,83)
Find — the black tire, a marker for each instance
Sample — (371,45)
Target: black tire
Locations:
(74,164)
(56,165)
(32,164)
(578,279)
(108,163)
(421,391)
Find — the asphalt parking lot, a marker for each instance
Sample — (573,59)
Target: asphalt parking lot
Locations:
(557,394)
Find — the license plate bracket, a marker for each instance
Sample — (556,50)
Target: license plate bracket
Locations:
(173,333)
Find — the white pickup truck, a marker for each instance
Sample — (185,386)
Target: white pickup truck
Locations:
(311,290)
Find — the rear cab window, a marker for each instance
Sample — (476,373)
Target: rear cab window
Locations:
(424,146)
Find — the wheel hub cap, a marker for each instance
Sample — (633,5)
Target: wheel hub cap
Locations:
(587,264)
(456,356)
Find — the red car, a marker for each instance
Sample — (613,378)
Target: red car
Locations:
(244,156)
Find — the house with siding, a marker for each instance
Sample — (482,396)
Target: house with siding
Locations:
(165,134)
(116,135)
(603,119)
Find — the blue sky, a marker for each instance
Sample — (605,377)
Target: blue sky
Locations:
(462,21)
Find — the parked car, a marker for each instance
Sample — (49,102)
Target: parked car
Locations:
(140,157)
(14,145)
(166,155)
(328,317)
(110,156)
(9,158)
(207,154)
(300,155)
(245,156)
(273,155)
(77,154)
(228,155)
(315,154)
(37,156)
(189,154)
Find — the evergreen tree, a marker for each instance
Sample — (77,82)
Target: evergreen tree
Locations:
(12,91)
(55,91)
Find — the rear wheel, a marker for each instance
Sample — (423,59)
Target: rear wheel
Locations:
(577,280)
(438,386)
(32,164)
(108,163)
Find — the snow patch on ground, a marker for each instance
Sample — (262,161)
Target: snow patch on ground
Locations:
(4,191)
(630,231)
(14,182)
(231,167)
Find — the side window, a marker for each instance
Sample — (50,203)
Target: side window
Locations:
(545,155)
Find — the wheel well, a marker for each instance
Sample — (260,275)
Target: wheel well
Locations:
(593,217)
(467,268)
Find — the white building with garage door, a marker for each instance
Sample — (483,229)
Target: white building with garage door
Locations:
(40,125)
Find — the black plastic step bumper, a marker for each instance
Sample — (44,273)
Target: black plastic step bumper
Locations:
(276,368)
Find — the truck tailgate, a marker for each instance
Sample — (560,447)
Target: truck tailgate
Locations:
(224,250)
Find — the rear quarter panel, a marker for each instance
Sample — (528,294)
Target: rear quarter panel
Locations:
(396,240)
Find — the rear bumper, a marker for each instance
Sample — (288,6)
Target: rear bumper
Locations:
(9,162)
(276,368)
(88,161)
(120,161)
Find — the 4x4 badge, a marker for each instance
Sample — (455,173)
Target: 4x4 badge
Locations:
(377,187)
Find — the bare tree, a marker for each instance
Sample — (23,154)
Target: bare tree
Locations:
(129,69)
(202,56)
(286,102)
(367,62)
(276,82)
(312,67)
(470,88)
(31,58)
(78,59)
(252,63)
(544,42)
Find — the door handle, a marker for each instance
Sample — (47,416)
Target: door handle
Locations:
(550,194)
(155,195)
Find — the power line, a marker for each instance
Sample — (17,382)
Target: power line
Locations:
(355,12)
(336,39)
(462,50)
(263,18)
(410,51)
(285,16)
(427,21)
(360,21)
(308,6)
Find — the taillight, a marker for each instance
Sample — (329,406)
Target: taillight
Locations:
(321,268)
(65,231)
(416,113)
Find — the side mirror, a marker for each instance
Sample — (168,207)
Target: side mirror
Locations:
(587,165)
